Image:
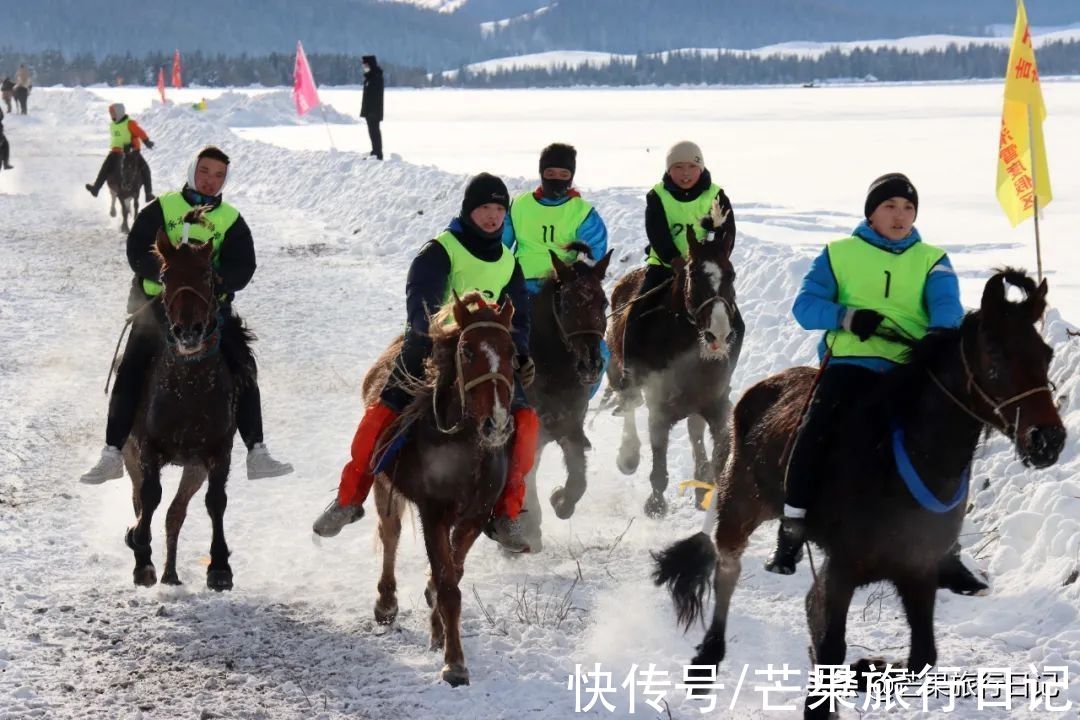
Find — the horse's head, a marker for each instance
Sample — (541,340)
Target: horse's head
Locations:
(1008,369)
(708,289)
(483,366)
(579,306)
(187,278)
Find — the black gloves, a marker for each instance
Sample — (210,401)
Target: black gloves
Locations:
(149,144)
(864,323)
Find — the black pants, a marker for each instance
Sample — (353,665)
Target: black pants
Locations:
(5,151)
(376,137)
(840,386)
(147,339)
(21,94)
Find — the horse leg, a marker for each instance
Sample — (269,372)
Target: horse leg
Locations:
(827,605)
(629,456)
(124,210)
(695,425)
(190,482)
(533,514)
(918,595)
(138,536)
(112,203)
(566,498)
(218,575)
(134,471)
(659,430)
(390,509)
(447,601)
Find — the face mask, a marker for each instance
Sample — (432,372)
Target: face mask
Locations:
(555,189)
(366,69)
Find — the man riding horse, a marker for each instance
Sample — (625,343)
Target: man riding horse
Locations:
(125,136)
(467,257)
(234,264)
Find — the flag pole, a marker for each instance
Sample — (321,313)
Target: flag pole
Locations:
(1035,190)
(326,124)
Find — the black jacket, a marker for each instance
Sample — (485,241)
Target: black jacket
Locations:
(371,106)
(236,258)
(657,228)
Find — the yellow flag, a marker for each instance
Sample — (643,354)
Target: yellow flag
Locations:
(1021,148)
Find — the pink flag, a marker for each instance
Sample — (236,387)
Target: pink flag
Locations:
(177,79)
(304,92)
(161,84)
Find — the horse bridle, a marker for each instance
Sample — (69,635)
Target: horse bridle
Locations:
(566,336)
(462,386)
(1007,428)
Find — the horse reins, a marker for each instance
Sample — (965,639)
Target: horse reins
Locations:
(123,331)
(566,336)
(459,381)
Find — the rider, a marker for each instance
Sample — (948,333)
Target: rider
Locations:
(680,200)
(123,131)
(234,264)
(466,257)
(550,218)
(882,276)
(5,148)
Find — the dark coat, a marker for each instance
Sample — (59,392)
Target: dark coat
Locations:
(371,107)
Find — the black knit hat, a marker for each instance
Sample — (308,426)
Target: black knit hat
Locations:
(483,189)
(888,186)
(558,155)
(369,59)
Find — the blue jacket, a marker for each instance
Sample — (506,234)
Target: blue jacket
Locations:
(816,307)
(592,232)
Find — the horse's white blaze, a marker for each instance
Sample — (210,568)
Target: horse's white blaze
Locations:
(714,273)
(720,327)
(499,413)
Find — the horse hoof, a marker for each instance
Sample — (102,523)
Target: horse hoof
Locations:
(628,460)
(564,509)
(219,580)
(656,506)
(145,576)
(386,615)
(455,674)
(169,577)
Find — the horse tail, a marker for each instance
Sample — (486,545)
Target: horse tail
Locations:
(686,567)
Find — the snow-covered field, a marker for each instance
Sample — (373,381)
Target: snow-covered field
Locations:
(335,233)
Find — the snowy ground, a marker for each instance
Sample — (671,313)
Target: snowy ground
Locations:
(334,234)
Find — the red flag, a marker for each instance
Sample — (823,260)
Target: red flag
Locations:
(177,81)
(161,84)
(304,93)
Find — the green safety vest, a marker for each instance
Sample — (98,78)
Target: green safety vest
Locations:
(218,221)
(870,278)
(119,134)
(469,273)
(540,229)
(679,215)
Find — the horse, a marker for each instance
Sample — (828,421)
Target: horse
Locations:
(187,413)
(927,416)
(450,459)
(687,348)
(567,326)
(125,181)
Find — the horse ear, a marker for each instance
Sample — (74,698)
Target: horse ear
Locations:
(461,310)
(691,239)
(727,243)
(1037,302)
(163,245)
(993,294)
(505,313)
(600,268)
(562,271)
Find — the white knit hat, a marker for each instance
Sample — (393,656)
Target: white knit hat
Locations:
(687,152)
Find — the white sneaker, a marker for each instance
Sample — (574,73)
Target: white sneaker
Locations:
(335,517)
(261,465)
(109,467)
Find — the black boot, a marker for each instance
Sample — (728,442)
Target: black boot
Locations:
(789,542)
(954,575)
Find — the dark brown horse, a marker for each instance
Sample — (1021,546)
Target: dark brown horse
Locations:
(187,415)
(452,463)
(991,373)
(567,328)
(684,353)
(124,183)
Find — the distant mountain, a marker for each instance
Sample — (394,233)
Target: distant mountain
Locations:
(441,34)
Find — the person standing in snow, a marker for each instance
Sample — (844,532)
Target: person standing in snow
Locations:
(882,277)
(467,257)
(22,87)
(550,218)
(371,105)
(7,87)
(124,132)
(234,265)
(5,149)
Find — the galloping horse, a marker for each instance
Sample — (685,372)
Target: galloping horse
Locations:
(686,349)
(895,479)
(567,327)
(187,415)
(452,460)
(124,182)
